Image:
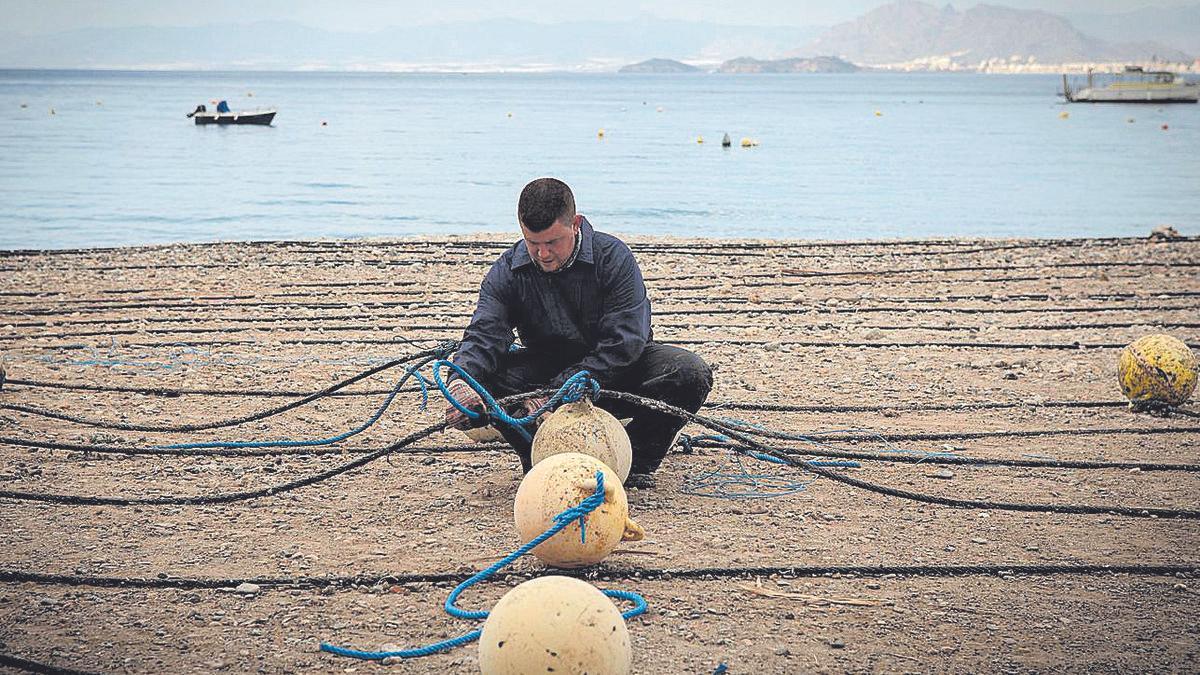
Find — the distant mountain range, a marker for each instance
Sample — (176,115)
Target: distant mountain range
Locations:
(818,64)
(898,32)
(659,66)
(909,30)
(745,64)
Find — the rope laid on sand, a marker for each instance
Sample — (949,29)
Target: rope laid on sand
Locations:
(823,450)
(747,443)
(37,667)
(438,352)
(577,513)
(166,581)
(750,442)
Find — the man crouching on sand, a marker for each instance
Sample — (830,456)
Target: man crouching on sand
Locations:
(577,300)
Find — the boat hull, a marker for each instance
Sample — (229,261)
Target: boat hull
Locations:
(259,118)
(1131,95)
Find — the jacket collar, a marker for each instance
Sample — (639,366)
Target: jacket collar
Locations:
(521,257)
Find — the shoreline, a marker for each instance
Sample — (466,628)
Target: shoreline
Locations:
(499,237)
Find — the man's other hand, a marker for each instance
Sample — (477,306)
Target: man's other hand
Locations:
(464,394)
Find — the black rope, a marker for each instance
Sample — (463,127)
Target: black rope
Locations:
(726,405)
(960,435)
(738,434)
(224,498)
(902,309)
(36,667)
(458,330)
(438,352)
(307,451)
(602,571)
(750,442)
(311,261)
(1194,343)
(787,309)
(902,458)
(989,268)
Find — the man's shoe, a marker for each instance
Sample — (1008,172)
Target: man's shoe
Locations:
(641,481)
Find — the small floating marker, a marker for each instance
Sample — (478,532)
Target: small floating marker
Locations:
(600,133)
(700,140)
(749,142)
(509,114)
(24,105)
(1129,121)
(879,113)
(1165,127)
(54,113)
(725,142)
(250,94)
(99,102)
(659,109)
(324,123)
(1063,115)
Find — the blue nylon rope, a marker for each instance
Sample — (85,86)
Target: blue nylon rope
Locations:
(410,372)
(577,513)
(575,388)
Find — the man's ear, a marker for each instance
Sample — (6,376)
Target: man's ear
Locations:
(577,222)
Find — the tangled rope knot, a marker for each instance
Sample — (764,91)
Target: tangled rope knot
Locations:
(575,388)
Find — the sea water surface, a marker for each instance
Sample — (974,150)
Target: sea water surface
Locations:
(867,155)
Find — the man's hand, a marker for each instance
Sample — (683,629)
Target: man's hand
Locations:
(532,404)
(464,394)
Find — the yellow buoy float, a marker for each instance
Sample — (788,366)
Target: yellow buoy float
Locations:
(749,142)
(1063,115)
(1157,369)
(554,624)
(600,134)
(584,428)
(558,483)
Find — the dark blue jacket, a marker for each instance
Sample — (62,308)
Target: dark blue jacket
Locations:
(594,315)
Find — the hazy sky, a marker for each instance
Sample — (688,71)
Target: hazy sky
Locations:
(45,16)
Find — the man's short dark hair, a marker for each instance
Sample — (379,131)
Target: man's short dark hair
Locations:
(543,202)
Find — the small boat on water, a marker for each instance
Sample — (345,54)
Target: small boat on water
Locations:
(1133,85)
(224,115)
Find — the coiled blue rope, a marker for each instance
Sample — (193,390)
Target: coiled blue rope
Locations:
(576,387)
(577,513)
(742,484)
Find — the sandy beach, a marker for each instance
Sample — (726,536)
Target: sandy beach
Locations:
(1003,349)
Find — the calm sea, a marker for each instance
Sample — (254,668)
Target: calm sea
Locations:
(360,155)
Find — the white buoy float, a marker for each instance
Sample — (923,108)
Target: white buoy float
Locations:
(584,428)
(555,624)
(560,482)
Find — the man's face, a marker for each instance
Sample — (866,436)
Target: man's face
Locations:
(551,247)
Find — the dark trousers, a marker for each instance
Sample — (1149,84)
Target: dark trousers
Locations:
(669,374)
